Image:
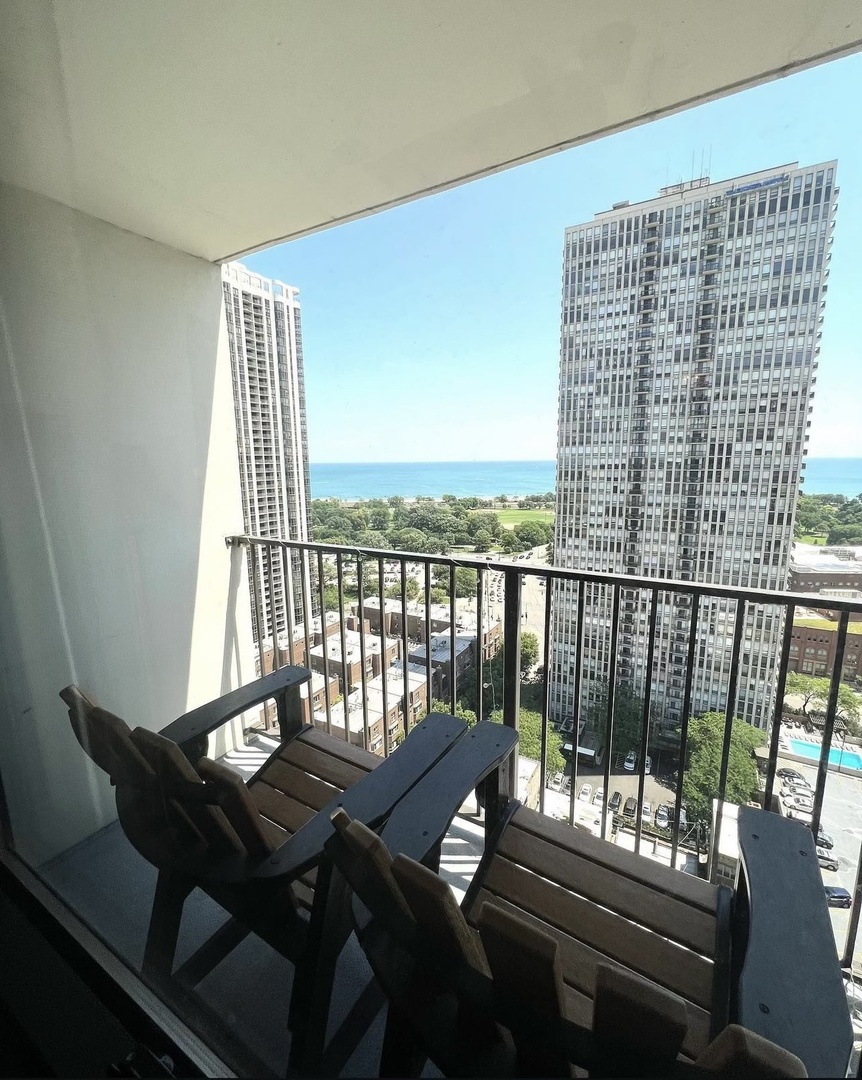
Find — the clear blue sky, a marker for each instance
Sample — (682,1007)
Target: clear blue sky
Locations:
(431,331)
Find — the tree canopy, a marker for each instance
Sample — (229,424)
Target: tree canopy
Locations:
(701,776)
(628,717)
(814,691)
(530,738)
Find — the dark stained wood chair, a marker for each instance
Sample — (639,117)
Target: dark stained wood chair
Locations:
(257,849)
(599,957)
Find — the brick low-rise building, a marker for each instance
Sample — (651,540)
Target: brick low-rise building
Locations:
(812,650)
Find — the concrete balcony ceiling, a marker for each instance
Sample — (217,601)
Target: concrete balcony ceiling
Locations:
(217,127)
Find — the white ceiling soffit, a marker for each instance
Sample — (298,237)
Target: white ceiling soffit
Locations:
(217,127)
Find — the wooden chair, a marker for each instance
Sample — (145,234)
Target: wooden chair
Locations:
(596,956)
(257,848)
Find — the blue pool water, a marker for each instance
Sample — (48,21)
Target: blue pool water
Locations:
(836,757)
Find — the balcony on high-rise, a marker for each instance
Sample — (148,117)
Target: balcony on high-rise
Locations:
(146,146)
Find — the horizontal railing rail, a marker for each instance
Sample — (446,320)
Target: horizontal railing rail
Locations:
(622,631)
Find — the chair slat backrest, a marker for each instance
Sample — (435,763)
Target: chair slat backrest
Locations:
(106,739)
(174,772)
(238,806)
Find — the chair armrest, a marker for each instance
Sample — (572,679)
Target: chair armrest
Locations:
(208,718)
(790,988)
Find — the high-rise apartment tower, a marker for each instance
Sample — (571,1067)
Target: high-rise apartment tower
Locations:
(263,326)
(690,333)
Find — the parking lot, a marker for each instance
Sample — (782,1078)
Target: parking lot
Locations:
(657,789)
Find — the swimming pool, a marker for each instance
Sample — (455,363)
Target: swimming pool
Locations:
(836,757)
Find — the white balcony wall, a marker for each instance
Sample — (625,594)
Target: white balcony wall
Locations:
(118,484)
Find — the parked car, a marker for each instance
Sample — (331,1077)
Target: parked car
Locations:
(789,774)
(557,782)
(630,807)
(803,801)
(648,766)
(662,816)
(683,819)
(646,810)
(599,796)
(837,897)
(796,789)
(824,840)
(800,813)
(614,803)
(631,761)
(585,792)
(827,861)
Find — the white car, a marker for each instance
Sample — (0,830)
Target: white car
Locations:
(585,792)
(599,796)
(646,810)
(631,761)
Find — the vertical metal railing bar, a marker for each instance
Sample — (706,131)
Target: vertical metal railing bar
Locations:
(645,720)
(772,762)
(366,732)
(428,679)
(730,708)
(270,570)
(612,687)
(325,647)
(383,665)
(453,638)
(546,698)
(404,649)
(853,926)
(686,709)
(287,575)
(480,640)
(829,722)
(576,708)
(511,668)
(258,604)
(305,577)
(345,667)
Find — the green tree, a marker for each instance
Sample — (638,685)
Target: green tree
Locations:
(701,776)
(483,540)
(534,533)
(530,738)
(465,580)
(330,597)
(628,717)
(814,691)
(529,650)
(467,715)
(510,543)
(411,589)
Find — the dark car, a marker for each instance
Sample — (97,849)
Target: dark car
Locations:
(614,804)
(824,840)
(789,774)
(631,806)
(837,897)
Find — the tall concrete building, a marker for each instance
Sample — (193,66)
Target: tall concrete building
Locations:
(690,333)
(263,326)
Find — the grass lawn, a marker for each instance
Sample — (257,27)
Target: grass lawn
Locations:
(511,518)
(810,538)
(825,624)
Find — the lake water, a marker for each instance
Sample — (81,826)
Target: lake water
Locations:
(840,476)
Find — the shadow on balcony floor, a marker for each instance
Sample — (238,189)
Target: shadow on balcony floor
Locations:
(107,883)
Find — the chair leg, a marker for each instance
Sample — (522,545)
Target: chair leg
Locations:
(399,1055)
(165,919)
(310,1000)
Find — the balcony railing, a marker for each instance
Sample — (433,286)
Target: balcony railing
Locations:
(336,613)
